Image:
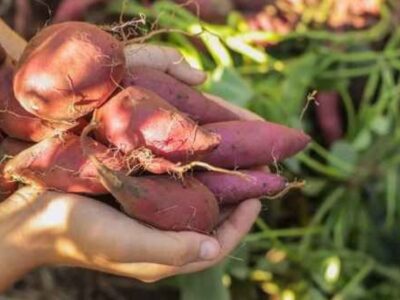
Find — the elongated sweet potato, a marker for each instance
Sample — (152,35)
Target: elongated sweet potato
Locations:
(178,94)
(67,70)
(161,201)
(246,144)
(232,189)
(9,147)
(58,163)
(209,10)
(69,10)
(17,122)
(147,121)
(328,116)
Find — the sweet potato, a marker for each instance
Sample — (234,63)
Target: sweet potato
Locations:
(232,189)
(209,10)
(58,163)
(69,10)
(9,147)
(17,122)
(147,121)
(161,201)
(328,116)
(178,94)
(246,144)
(67,70)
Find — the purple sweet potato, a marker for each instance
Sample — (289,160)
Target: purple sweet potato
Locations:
(183,97)
(209,10)
(147,121)
(17,122)
(162,201)
(70,10)
(58,163)
(67,70)
(328,116)
(246,144)
(232,189)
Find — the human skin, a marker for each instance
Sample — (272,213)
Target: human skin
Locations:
(39,228)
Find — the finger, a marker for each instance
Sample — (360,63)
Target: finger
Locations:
(112,237)
(230,233)
(165,59)
(241,112)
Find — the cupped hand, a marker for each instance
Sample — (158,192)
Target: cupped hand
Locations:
(47,228)
(42,227)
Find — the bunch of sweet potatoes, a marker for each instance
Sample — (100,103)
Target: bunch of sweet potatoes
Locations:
(78,119)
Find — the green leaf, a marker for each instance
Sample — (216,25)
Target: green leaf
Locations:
(314,186)
(205,285)
(299,76)
(239,265)
(381,125)
(230,85)
(345,152)
(363,140)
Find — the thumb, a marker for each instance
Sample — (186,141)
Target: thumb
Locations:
(178,248)
(170,248)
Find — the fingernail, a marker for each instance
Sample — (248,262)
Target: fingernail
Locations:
(208,250)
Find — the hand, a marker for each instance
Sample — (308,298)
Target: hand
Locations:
(41,227)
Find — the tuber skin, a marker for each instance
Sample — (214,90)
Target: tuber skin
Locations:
(67,70)
(233,189)
(17,122)
(69,10)
(246,144)
(328,116)
(162,201)
(147,121)
(178,94)
(209,10)
(11,147)
(8,148)
(58,163)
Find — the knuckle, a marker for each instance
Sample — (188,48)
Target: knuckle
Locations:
(183,254)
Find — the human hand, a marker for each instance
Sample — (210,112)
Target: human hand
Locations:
(41,228)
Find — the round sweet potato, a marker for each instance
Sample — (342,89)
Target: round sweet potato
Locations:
(67,70)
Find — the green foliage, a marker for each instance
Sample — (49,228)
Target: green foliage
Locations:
(339,237)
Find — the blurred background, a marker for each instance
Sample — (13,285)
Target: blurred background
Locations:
(328,67)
